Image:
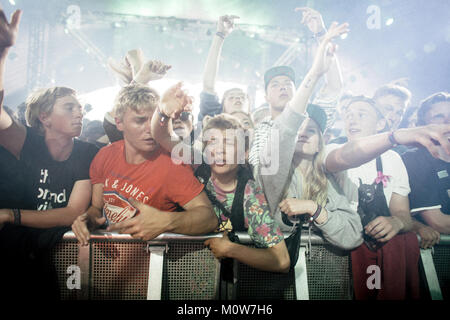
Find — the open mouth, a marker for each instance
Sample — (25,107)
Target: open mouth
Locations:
(150,140)
(179,130)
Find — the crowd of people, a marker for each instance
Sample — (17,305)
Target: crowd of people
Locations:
(371,188)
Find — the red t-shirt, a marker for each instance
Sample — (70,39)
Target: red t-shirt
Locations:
(157,182)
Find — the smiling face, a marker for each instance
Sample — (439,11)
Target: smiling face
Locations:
(235,100)
(66,117)
(361,120)
(279,92)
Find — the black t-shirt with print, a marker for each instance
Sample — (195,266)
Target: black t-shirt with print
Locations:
(50,182)
(12,181)
(429,181)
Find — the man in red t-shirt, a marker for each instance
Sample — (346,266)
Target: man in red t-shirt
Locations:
(136,186)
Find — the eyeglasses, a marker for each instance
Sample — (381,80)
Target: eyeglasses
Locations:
(185,115)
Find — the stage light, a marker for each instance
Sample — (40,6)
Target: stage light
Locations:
(344,36)
(389,21)
(118,24)
(12,2)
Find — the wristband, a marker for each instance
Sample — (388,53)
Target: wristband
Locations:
(392,139)
(316,214)
(220,34)
(17,216)
(163,119)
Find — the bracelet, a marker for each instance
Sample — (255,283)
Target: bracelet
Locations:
(220,34)
(163,116)
(316,214)
(17,216)
(392,139)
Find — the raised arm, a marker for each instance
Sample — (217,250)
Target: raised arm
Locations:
(332,88)
(132,68)
(321,65)
(271,172)
(12,134)
(174,101)
(357,152)
(225,26)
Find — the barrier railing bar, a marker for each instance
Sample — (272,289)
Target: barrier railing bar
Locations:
(301,276)
(243,237)
(84,263)
(155,271)
(430,274)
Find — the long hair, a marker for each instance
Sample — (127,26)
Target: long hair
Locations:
(314,180)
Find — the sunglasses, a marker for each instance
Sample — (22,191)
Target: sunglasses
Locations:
(185,115)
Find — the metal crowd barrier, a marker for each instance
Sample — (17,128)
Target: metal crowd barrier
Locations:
(180,267)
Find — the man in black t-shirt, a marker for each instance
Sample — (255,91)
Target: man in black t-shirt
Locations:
(51,187)
(429,176)
(53,165)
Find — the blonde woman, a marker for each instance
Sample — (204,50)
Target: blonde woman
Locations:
(307,190)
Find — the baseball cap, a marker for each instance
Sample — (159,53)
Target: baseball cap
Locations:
(278,71)
(318,115)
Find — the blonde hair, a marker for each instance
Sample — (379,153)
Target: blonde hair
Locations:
(314,180)
(42,101)
(136,97)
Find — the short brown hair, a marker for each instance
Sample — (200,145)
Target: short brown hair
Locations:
(137,97)
(225,121)
(427,103)
(395,90)
(42,101)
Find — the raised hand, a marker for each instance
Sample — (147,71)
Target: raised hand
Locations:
(136,59)
(312,19)
(175,100)
(326,49)
(151,70)
(226,24)
(9,31)
(122,69)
